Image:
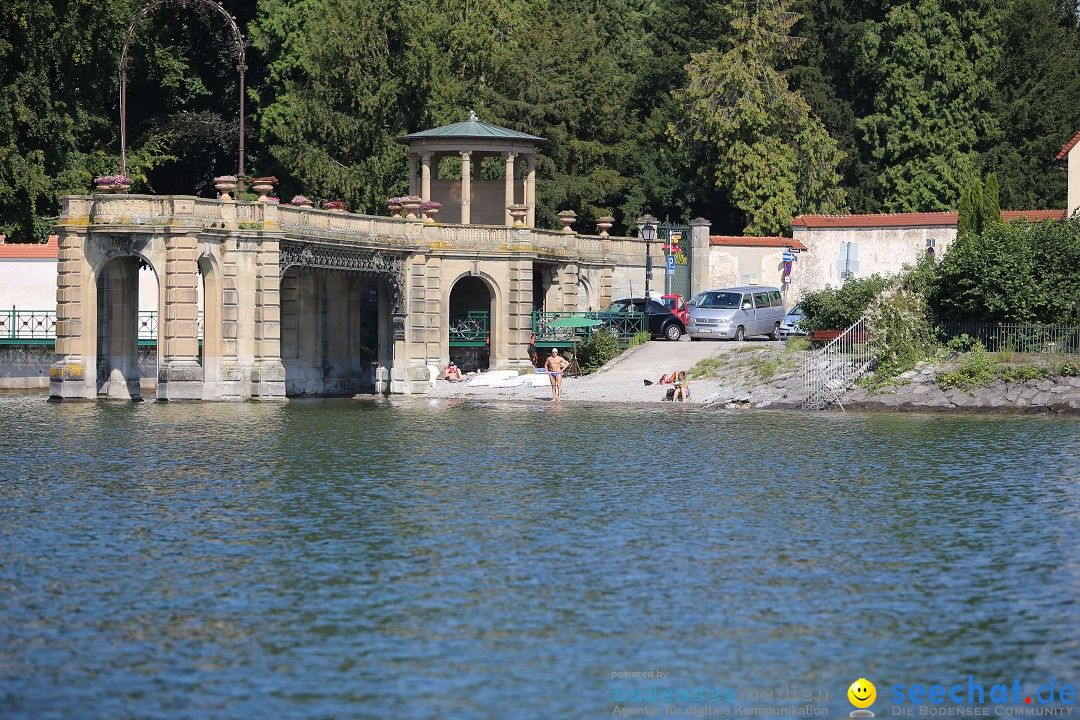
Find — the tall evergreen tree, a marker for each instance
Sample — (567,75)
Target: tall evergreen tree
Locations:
(771,155)
(932,62)
(991,207)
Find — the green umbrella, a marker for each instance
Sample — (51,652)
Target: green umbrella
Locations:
(575,322)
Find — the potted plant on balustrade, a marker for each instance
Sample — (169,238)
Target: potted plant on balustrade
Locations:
(263,186)
(518,211)
(394,204)
(430,209)
(336,206)
(301,202)
(225,184)
(112,184)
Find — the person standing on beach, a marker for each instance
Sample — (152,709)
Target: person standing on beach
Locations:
(556,366)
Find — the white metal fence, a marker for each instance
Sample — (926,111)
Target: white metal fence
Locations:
(831,371)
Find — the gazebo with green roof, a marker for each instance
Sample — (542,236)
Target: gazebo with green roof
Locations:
(469,200)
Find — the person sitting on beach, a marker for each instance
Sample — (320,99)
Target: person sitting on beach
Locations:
(665,379)
(452,373)
(682,387)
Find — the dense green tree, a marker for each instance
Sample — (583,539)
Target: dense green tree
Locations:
(771,155)
(931,61)
(1036,83)
(991,202)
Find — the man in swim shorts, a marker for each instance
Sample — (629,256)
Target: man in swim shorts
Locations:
(556,366)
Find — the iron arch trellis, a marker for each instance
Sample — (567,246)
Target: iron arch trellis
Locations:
(241,66)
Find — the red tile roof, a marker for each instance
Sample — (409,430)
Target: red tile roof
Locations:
(1069,146)
(47,250)
(913,219)
(748,241)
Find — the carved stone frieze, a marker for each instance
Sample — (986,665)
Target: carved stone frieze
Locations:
(390,266)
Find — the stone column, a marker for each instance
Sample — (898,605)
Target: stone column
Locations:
(237,351)
(179,374)
(73,374)
(268,374)
(466,188)
(412,173)
(519,314)
(425,178)
(508,195)
(699,256)
(530,191)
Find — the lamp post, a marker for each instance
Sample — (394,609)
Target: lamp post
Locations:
(647,231)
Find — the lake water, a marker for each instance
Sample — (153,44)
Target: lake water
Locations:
(347,559)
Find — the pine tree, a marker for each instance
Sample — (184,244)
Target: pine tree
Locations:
(991,205)
(772,156)
(931,61)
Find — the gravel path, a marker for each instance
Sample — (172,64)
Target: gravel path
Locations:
(621,381)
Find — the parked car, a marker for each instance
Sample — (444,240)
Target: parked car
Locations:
(736,313)
(662,322)
(789,326)
(677,304)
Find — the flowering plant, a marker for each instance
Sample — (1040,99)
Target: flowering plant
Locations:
(335,205)
(430,205)
(394,201)
(299,200)
(271,198)
(269,179)
(113,180)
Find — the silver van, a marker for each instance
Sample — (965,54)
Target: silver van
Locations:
(736,312)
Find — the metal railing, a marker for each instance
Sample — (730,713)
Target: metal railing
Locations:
(28,326)
(831,371)
(1027,338)
(470,329)
(39,326)
(623,326)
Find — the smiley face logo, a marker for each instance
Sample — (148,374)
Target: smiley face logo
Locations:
(862,693)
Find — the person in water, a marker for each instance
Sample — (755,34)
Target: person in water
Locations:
(556,366)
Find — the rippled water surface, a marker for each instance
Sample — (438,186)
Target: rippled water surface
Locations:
(431,560)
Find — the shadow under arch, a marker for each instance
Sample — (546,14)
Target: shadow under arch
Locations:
(118,324)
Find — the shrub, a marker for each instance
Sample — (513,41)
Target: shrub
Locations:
(595,352)
(899,326)
(961,344)
(839,308)
(1069,369)
(642,337)
(976,369)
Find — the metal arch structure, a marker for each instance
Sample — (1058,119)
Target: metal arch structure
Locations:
(241,66)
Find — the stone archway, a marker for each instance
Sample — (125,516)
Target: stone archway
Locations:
(470,323)
(116,340)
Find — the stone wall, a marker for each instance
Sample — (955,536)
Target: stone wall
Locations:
(26,367)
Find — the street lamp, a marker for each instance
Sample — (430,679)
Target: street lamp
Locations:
(647,231)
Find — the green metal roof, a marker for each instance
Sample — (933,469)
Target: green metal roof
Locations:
(471,128)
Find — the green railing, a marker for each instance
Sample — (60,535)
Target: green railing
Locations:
(28,327)
(623,326)
(470,329)
(38,327)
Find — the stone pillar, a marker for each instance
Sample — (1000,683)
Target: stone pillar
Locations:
(412,173)
(519,314)
(530,191)
(73,374)
(508,194)
(268,374)
(425,178)
(237,349)
(179,373)
(466,188)
(699,256)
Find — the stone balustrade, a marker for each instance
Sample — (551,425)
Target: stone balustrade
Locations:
(315,225)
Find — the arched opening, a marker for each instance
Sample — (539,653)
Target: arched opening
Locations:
(124,327)
(470,329)
(210,340)
(335,330)
(584,296)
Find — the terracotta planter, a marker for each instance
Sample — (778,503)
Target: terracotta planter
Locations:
(262,188)
(224,187)
(518,213)
(430,214)
(411,206)
(105,188)
(567,218)
(395,211)
(603,224)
